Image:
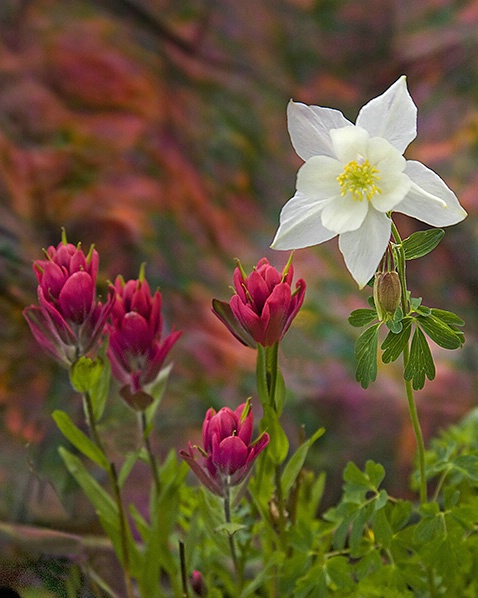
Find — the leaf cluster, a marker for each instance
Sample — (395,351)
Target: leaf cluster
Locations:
(408,329)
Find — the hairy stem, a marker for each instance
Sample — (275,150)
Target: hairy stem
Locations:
(232,542)
(151,458)
(113,477)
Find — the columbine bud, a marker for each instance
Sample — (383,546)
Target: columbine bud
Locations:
(386,293)
(228,452)
(264,304)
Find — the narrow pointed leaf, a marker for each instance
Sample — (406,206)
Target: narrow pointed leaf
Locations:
(79,440)
(422,242)
(296,462)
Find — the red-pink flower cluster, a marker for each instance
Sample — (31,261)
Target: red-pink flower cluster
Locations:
(264,305)
(69,321)
(228,453)
(136,350)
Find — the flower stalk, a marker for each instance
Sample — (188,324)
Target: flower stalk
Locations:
(232,542)
(113,477)
(412,407)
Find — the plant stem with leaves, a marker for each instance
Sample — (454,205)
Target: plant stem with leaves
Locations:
(113,477)
(412,407)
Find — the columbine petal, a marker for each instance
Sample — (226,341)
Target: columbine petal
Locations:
(344,214)
(392,115)
(429,198)
(393,190)
(364,248)
(301,224)
(317,178)
(350,143)
(309,128)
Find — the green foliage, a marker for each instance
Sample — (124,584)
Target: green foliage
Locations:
(422,242)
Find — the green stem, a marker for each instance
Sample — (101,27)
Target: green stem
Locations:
(152,460)
(113,477)
(412,407)
(280,507)
(272,365)
(232,543)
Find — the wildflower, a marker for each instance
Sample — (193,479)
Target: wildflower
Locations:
(228,452)
(264,304)
(135,349)
(355,175)
(198,584)
(68,322)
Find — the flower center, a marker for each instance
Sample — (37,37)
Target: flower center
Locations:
(359,178)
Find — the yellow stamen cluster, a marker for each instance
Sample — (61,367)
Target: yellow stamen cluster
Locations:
(359,179)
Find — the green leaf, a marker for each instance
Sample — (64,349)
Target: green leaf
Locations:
(79,440)
(229,528)
(394,344)
(362,317)
(100,390)
(296,462)
(129,463)
(85,373)
(156,390)
(448,317)
(279,445)
(104,505)
(366,355)
(441,333)
(382,529)
(420,363)
(422,242)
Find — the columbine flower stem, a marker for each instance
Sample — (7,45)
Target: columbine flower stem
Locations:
(232,543)
(152,460)
(113,477)
(412,407)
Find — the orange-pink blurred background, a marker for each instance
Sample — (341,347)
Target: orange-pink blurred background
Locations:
(156,130)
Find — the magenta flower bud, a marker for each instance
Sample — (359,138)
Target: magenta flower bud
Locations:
(228,454)
(264,305)
(198,584)
(136,350)
(68,322)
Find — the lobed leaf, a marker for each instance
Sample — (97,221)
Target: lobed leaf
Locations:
(441,333)
(362,317)
(394,343)
(366,355)
(420,363)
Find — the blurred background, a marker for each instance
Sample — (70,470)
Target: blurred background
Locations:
(156,130)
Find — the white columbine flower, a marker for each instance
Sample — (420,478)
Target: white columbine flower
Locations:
(354,175)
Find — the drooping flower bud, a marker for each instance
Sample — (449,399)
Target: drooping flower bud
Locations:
(69,322)
(198,584)
(136,350)
(264,305)
(228,453)
(387,293)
